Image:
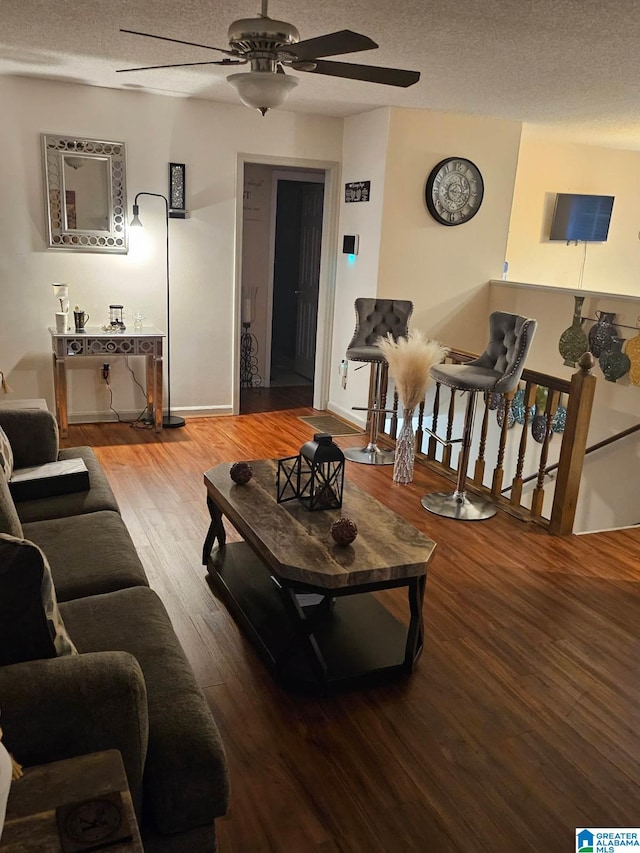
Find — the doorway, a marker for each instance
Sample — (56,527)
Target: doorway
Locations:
(281,266)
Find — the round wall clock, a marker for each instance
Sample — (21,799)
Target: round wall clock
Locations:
(454,191)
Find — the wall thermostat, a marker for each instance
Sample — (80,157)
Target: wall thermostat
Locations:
(350,244)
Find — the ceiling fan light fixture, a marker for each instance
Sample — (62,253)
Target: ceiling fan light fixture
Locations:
(262,90)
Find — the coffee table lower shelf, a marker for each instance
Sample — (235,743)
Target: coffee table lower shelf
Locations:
(314,639)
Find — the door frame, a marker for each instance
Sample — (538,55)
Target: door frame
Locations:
(327,279)
(283,175)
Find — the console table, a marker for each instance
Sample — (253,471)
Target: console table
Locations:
(309,605)
(98,343)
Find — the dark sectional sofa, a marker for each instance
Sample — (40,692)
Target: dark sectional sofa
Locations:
(130,687)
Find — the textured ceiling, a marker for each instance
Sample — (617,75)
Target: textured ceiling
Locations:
(569,65)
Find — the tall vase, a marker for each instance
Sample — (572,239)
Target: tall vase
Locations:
(573,341)
(405,450)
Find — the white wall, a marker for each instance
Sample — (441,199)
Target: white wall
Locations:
(256,251)
(157,130)
(547,167)
(364,156)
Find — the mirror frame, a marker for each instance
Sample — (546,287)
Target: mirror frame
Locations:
(115,238)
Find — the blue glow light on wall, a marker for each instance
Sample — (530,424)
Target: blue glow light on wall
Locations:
(351,259)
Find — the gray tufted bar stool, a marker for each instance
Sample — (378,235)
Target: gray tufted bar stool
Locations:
(497,370)
(375,318)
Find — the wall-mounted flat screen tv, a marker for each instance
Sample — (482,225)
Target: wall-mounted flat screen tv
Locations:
(581,217)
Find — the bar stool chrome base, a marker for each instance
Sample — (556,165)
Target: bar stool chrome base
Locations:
(459,505)
(370,455)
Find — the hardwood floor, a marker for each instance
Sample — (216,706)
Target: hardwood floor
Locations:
(519,723)
(276,398)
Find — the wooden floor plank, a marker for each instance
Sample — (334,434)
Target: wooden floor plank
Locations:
(519,722)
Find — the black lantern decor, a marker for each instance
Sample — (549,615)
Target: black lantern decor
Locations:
(315,477)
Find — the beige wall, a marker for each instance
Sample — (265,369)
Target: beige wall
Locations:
(547,167)
(364,155)
(443,269)
(157,130)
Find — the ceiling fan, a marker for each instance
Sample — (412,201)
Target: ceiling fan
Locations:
(270,46)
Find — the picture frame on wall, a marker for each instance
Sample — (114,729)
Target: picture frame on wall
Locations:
(177,191)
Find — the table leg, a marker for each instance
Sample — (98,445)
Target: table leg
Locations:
(415,632)
(304,633)
(216,531)
(60,393)
(158,392)
(151,379)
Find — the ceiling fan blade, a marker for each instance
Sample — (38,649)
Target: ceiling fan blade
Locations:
(368,73)
(179,41)
(332,44)
(183,65)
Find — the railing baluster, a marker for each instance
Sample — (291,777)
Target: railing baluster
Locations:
(419,428)
(478,471)
(498,471)
(537,501)
(446,450)
(529,400)
(393,426)
(431,452)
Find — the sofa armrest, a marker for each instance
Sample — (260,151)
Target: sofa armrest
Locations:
(76,704)
(33,435)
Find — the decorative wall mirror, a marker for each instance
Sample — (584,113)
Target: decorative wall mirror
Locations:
(85,184)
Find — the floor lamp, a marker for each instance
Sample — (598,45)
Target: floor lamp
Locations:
(168,421)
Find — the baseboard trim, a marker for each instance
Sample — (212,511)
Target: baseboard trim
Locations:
(131,415)
(347,415)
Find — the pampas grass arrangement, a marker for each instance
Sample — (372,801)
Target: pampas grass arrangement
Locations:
(410,360)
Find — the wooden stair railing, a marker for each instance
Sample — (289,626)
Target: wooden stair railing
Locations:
(512,456)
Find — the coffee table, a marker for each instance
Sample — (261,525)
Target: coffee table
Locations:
(308,604)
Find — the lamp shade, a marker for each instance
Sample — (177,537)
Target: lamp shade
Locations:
(262,90)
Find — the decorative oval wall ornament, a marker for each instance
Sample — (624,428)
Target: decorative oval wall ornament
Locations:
(602,332)
(573,341)
(613,362)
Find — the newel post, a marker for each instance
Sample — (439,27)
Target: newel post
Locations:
(574,443)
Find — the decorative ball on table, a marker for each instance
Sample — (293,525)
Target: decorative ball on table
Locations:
(344,531)
(241,473)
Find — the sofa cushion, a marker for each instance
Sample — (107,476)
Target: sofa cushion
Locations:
(30,623)
(53,478)
(9,521)
(99,496)
(33,434)
(6,455)
(88,554)
(185,780)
